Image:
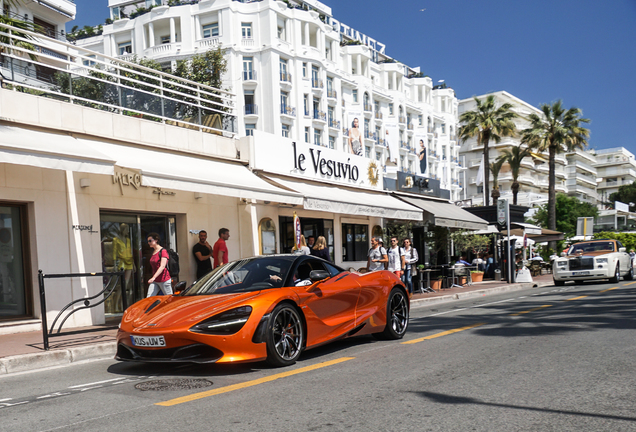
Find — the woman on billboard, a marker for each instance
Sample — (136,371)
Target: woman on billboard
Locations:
(355,138)
(422,158)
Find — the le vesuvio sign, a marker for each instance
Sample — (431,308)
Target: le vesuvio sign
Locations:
(311,162)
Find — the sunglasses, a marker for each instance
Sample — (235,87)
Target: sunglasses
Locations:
(151,240)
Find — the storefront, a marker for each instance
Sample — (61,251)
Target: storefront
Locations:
(343,199)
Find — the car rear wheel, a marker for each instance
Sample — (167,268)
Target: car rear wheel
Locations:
(630,274)
(397,317)
(285,336)
(617,274)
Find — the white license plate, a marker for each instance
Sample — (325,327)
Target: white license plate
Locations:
(148,341)
(581,273)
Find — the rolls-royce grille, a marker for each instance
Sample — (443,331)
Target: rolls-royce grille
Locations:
(581,263)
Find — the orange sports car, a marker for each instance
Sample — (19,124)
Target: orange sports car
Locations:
(263,308)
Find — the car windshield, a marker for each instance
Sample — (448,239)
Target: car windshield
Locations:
(583,248)
(243,275)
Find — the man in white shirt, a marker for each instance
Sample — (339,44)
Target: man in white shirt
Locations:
(396,258)
(377,255)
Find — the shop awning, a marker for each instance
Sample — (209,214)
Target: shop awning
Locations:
(446,214)
(335,199)
(534,232)
(22,146)
(194,174)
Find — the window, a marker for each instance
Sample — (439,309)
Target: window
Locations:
(115,13)
(443,128)
(267,231)
(124,48)
(304,70)
(248,68)
(420,120)
(285,130)
(306,105)
(165,39)
(281,25)
(284,102)
(367,151)
(246,30)
(354,93)
(153,3)
(249,129)
(391,109)
(283,69)
(307,133)
(210,30)
(250,106)
(355,242)
(332,142)
(480,189)
(317,137)
(87,62)
(378,156)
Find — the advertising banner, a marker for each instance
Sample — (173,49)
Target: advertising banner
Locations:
(393,142)
(355,120)
(421,151)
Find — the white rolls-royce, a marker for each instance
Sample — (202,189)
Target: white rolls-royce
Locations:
(597,259)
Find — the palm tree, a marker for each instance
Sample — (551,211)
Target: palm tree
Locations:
(557,131)
(514,157)
(487,122)
(495,167)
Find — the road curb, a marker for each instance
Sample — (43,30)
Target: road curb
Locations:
(477,293)
(29,362)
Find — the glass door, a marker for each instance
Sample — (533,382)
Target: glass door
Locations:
(13,294)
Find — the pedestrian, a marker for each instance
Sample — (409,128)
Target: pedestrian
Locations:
(320,249)
(396,258)
(304,249)
(462,261)
(160,281)
(377,255)
(219,251)
(203,253)
(410,259)
(311,240)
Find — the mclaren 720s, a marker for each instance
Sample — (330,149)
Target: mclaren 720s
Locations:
(263,308)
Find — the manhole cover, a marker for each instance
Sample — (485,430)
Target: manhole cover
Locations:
(173,384)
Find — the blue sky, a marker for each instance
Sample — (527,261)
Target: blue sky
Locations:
(580,51)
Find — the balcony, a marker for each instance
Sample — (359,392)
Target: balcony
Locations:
(332,94)
(317,84)
(207,43)
(381,142)
(320,116)
(251,110)
(369,135)
(368,107)
(410,126)
(162,50)
(334,124)
(288,111)
(248,42)
(249,75)
(402,119)
(285,78)
(429,130)
(378,115)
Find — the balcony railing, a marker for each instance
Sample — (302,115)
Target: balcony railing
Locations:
(249,75)
(112,84)
(430,129)
(317,83)
(402,119)
(378,115)
(332,94)
(410,126)
(320,115)
(288,111)
(251,109)
(285,77)
(369,135)
(368,107)
(335,124)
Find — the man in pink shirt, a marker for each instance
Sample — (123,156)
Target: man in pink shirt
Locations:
(219,251)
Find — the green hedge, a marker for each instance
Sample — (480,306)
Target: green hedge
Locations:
(627,239)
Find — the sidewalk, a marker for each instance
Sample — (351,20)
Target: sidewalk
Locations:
(25,351)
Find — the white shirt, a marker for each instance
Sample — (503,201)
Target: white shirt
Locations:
(395,258)
(376,254)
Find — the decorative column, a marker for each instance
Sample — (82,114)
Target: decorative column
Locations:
(151,34)
(173,36)
(359,64)
(307,34)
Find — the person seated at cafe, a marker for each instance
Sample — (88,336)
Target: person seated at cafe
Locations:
(462,261)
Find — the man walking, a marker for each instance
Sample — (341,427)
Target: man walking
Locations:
(377,255)
(203,253)
(219,252)
(396,258)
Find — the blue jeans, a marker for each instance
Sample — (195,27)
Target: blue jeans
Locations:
(160,288)
(408,280)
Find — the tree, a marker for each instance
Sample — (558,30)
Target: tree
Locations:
(568,210)
(465,241)
(514,157)
(20,24)
(626,194)
(495,168)
(487,122)
(557,131)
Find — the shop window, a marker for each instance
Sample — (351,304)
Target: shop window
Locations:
(355,242)
(14,296)
(310,228)
(267,236)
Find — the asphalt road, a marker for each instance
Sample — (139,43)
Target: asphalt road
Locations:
(543,359)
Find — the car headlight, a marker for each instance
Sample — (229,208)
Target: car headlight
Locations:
(225,323)
(562,263)
(601,260)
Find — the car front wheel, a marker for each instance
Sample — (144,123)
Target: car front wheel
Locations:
(285,336)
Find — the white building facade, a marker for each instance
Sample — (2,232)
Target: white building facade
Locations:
(301,74)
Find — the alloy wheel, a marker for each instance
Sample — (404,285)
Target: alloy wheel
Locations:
(399,313)
(287,333)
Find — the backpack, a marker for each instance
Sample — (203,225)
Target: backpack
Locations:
(173,262)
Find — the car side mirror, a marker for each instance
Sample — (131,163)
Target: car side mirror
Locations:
(622,249)
(318,275)
(180,286)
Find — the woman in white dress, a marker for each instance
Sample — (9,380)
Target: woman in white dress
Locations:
(355,138)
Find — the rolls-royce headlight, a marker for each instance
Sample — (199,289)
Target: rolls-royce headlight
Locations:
(562,263)
(601,260)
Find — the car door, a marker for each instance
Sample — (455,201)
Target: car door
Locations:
(328,305)
(624,258)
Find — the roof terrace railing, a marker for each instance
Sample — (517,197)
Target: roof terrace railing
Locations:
(79,76)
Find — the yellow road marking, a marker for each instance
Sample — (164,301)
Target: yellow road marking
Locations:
(530,310)
(444,333)
(631,283)
(609,289)
(246,384)
(575,298)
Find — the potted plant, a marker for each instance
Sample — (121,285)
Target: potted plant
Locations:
(436,284)
(477,276)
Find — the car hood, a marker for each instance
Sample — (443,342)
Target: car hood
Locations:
(186,310)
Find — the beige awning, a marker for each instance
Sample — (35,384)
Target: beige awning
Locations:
(446,214)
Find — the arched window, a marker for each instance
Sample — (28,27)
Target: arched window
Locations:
(267,236)
(377,231)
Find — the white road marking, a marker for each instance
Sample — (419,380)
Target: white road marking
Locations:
(4,400)
(96,382)
(492,303)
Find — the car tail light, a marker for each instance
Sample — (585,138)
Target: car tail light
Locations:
(225,323)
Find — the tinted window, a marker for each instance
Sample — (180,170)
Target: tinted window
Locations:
(332,269)
(582,248)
